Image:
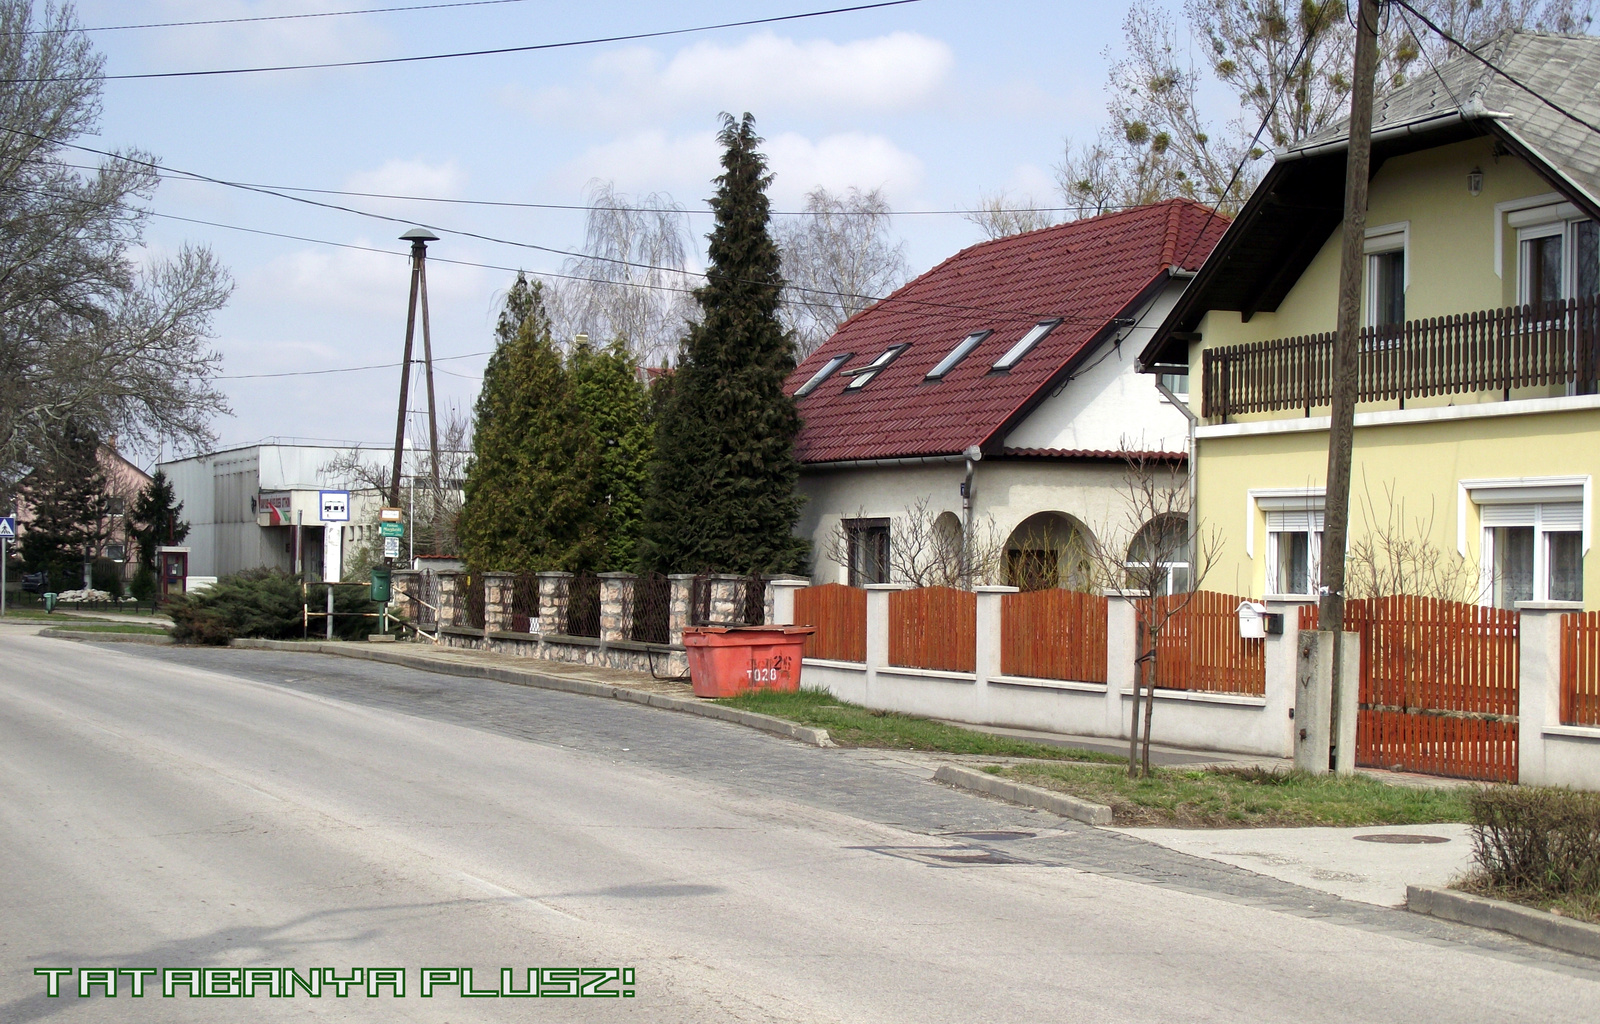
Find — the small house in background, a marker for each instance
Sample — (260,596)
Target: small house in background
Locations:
(990,402)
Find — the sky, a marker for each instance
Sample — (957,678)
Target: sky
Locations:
(935,102)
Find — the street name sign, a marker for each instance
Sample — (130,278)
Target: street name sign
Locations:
(391,529)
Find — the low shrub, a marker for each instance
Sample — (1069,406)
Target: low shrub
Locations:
(1537,841)
(264,603)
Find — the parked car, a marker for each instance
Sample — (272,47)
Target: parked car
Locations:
(35,582)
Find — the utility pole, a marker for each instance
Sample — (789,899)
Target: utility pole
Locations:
(433,420)
(419,239)
(1346,352)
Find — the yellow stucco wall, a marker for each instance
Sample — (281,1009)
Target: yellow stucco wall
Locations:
(1420,464)
(1451,257)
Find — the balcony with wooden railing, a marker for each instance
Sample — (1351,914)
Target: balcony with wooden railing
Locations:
(1493,351)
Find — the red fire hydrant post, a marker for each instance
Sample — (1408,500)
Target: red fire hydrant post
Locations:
(725,661)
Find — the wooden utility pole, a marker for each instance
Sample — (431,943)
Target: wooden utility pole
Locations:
(433,418)
(1347,351)
(419,239)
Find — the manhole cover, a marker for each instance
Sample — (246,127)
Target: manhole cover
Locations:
(1403,839)
(996,836)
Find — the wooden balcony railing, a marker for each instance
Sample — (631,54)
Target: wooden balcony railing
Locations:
(1493,350)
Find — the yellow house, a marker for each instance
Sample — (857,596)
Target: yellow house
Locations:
(1478,434)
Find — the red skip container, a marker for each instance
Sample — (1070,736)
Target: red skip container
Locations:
(725,661)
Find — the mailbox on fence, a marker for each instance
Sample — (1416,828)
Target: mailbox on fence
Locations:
(1252,620)
(725,661)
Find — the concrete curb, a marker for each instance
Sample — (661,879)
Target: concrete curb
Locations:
(524,677)
(1022,793)
(99,637)
(1528,923)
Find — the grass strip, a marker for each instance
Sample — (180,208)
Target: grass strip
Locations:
(851,725)
(1245,796)
(112,627)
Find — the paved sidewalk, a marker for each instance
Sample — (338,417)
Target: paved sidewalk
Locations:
(1332,860)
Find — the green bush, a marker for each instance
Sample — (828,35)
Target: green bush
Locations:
(143,585)
(1538,841)
(264,603)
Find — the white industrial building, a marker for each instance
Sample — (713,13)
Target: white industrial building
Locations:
(262,505)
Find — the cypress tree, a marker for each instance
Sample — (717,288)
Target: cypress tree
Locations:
(614,407)
(722,495)
(529,492)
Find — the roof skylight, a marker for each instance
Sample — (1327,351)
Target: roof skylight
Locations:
(960,352)
(863,374)
(823,374)
(1035,335)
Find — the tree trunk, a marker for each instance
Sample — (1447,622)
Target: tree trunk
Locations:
(1133,730)
(1150,701)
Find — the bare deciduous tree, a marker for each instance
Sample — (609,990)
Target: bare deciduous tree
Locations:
(436,512)
(633,282)
(87,335)
(1000,216)
(1155,553)
(1287,64)
(927,549)
(838,259)
(1396,555)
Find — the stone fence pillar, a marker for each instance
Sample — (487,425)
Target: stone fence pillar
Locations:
(678,615)
(449,596)
(616,604)
(405,589)
(497,598)
(553,602)
(878,631)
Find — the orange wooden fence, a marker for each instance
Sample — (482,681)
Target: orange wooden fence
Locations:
(1439,686)
(1580,669)
(840,615)
(1200,647)
(1053,634)
(934,627)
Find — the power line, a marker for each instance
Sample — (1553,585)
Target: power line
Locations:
(1475,55)
(275,17)
(531,48)
(586,208)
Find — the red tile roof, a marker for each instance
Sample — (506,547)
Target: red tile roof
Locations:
(1085,272)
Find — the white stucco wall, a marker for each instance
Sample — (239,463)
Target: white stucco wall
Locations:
(1110,401)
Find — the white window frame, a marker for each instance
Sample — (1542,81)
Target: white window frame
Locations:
(1260,502)
(1536,491)
(1014,355)
(1547,221)
(1380,241)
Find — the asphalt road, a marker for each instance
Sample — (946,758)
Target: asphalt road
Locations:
(164,808)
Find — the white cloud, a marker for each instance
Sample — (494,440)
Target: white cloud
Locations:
(294,41)
(410,178)
(684,165)
(763,73)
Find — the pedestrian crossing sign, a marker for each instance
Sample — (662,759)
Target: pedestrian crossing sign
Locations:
(8,527)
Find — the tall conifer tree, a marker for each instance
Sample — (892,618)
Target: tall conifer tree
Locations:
(615,409)
(723,480)
(530,490)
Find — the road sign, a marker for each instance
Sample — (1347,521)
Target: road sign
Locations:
(335,506)
(391,515)
(8,527)
(391,547)
(392,530)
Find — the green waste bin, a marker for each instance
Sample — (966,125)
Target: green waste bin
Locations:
(49,600)
(380,586)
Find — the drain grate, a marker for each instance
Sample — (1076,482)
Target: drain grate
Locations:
(1402,839)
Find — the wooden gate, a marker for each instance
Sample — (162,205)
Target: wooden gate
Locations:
(1438,687)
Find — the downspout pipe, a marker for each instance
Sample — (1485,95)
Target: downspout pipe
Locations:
(1194,463)
(974,455)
